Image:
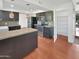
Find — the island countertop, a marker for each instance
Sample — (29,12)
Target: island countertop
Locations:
(14,33)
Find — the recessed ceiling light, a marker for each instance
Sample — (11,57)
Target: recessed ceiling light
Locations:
(12,0)
(11,5)
(77,3)
(39,2)
(27,4)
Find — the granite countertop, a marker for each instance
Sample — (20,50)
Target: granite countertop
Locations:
(14,33)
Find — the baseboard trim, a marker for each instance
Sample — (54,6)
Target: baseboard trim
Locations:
(63,36)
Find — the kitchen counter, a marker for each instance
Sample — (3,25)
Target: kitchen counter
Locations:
(9,34)
(17,44)
(45,30)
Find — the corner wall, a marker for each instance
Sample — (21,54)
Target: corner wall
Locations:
(23,21)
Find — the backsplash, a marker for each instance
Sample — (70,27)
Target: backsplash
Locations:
(8,23)
(5,19)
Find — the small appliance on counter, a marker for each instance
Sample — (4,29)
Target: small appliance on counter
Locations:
(14,27)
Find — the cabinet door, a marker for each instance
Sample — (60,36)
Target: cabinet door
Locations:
(40,28)
(46,32)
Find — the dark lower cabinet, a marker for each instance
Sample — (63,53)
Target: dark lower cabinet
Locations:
(19,46)
(48,32)
(45,30)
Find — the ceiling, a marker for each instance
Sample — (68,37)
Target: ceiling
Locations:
(33,5)
(56,3)
(49,3)
(22,5)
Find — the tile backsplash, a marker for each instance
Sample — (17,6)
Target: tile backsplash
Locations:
(8,23)
(5,19)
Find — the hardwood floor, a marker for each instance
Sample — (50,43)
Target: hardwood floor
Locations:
(47,49)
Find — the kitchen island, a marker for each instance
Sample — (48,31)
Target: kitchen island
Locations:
(17,43)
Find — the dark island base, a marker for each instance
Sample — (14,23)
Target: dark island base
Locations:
(18,47)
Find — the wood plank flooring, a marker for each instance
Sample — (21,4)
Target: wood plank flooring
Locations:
(61,49)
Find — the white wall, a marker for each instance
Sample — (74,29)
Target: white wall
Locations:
(62,19)
(62,25)
(33,14)
(71,27)
(23,21)
(66,21)
(55,25)
(1,4)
